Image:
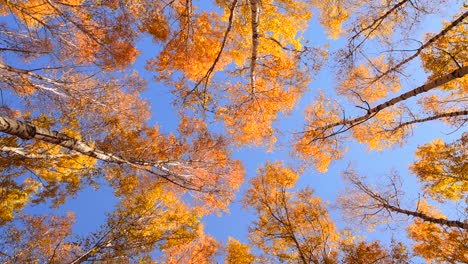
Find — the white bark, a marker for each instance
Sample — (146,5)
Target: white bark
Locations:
(28,131)
(458,73)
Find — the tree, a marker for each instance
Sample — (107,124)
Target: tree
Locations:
(375,79)
(199,250)
(259,84)
(39,239)
(290,226)
(294,226)
(238,252)
(73,116)
(50,51)
(147,217)
(374,252)
(442,169)
(67,64)
(452,241)
(370,204)
(369,75)
(429,228)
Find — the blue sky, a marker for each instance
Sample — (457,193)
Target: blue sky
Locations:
(90,205)
(373,164)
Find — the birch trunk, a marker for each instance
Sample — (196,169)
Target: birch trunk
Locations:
(427,218)
(421,89)
(28,131)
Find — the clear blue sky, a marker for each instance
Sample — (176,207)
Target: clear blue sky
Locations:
(90,205)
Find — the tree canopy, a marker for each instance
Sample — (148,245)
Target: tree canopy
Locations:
(234,76)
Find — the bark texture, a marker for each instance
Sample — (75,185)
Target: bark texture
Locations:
(421,89)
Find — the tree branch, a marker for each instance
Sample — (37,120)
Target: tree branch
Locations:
(28,131)
(377,22)
(22,153)
(458,73)
(425,45)
(384,203)
(206,78)
(425,217)
(430,118)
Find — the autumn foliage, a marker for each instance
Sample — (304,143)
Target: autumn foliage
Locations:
(90,90)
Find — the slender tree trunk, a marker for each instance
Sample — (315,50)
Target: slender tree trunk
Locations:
(454,23)
(380,19)
(430,118)
(28,131)
(427,218)
(255,13)
(384,203)
(458,73)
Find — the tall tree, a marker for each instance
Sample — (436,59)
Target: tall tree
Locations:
(74,117)
(66,65)
(40,239)
(370,82)
(290,226)
(374,252)
(202,249)
(254,87)
(238,252)
(377,206)
(430,227)
(90,45)
(294,226)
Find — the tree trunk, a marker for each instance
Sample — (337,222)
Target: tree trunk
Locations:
(28,131)
(427,218)
(458,73)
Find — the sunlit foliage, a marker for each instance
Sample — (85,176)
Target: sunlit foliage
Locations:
(74,115)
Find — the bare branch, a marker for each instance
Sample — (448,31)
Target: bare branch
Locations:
(373,26)
(430,118)
(380,202)
(206,78)
(425,45)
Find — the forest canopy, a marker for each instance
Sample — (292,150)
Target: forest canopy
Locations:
(185,110)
